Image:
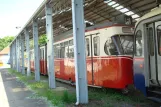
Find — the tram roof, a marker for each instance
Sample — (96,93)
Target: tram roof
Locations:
(95,12)
(153,12)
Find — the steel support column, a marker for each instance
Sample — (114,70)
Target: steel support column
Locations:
(13,55)
(36,51)
(50,53)
(79,51)
(19,56)
(22,54)
(10,55)
(15,51)
(27,51)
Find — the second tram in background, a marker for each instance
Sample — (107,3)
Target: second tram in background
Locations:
(147,58)
(109,50)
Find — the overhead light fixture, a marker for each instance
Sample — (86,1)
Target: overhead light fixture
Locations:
(121,8)
(118,8)
(115,5)
(111,3)
(129,13)
(135,16)
(106,1)
(124,10)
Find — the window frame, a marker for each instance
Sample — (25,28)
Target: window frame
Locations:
(98,44)
(158,41)
(135,43)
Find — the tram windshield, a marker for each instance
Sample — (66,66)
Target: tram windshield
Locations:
(124,44)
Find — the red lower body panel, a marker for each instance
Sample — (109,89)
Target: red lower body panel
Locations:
(109,72)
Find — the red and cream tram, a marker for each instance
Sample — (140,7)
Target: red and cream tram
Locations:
(109,50)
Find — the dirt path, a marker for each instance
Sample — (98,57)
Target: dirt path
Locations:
(15,94)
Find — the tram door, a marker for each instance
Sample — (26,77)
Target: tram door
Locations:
(89,59)
(42,61)
(154,54)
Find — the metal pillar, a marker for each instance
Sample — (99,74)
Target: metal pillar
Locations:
(79,51)
(22,54)
(36,51)
(17,54)
(50,53)
(10,55)
(27,51)
(14,55)
(15,50)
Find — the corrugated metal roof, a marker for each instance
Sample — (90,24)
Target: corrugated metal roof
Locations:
(95,11)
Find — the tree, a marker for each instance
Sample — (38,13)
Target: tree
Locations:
(4,42)
(42,39)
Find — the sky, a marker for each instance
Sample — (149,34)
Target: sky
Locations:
(15,13)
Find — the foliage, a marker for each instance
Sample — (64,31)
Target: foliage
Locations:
(56,97)
(4,42)
(42,41)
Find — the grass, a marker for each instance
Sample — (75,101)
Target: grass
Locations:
(57,98)
(97,97)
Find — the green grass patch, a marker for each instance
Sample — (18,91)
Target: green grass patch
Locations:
(56,97)
(97,97)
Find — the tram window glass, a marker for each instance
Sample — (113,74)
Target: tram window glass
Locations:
(57,51)
(87,47)
(43,54)
(110,47)
(66,44)
(71,51)
(125,44)
(159,38)
(138,43)
(66,49)
(54,51)
(62,50)
(96,41)
(71,42)
(151,41)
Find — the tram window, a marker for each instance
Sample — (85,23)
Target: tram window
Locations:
(151,41)
(57,51)
(96,46)
(126,44)
(62,51)
(66,49)
(71,52)
(71,42)
(43,54)
(110,47)
(87,47)
(159,38)
(138,43)
(66,44)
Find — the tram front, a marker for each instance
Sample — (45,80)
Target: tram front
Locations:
(147,57)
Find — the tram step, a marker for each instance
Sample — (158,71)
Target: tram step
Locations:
(156,92)
(155,99)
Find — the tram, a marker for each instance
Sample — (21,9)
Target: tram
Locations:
(109,50)
(147,57)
